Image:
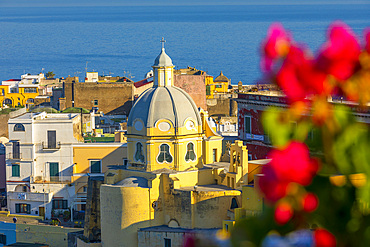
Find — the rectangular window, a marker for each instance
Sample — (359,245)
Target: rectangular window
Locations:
(30,90)
(15,170)
(54,171)
(95,166)
(60,204)
(247,125)
(52,139)
(208,90)
(96,102)
(23,208)
(16,150)
(167,242)
(215,155)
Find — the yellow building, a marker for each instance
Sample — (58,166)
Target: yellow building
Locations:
(219,85)
(22,95)
(93,159)
(174,181)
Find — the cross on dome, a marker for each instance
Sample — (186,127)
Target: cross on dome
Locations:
(163,41)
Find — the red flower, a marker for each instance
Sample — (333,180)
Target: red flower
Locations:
(283,213)
(324,238)
(367,40)
(310,202)
(274,46)
(339,55)
(272,188)
(293,164)
(299,77)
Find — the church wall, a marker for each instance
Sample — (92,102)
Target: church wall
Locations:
(207,204)
(124,210)
(211,147)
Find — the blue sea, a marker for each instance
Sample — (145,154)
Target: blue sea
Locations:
(125,40)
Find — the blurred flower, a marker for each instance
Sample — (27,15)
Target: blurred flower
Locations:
(293,164)
(310,202)
(367,40)
(339,55)
(275,45)
(324,238)
(272,188)
(283,213)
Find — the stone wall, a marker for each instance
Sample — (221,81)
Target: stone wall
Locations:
(195,86)
(222,106)
(112,98)
(4,125)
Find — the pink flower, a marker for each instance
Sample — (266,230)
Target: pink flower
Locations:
(367,40)
(293,164)
(310,202)
(298,76)
(283,213)
(339,55)
(274,46)
(324,238)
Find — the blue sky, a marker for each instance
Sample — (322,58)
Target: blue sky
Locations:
(66,3)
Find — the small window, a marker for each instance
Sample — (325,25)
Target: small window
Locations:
(125,162)
(16,150)
(95,166)
(167,242)
(15,170)
(23,208)
(190,154)
(234,203)
(30,90)
(60,204)
(215,155)
(164,154)
(247,125)
(85,189)
(52,139)
(139,156)
(96,102)
(19,127)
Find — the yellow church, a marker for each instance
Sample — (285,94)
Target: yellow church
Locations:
(174,181)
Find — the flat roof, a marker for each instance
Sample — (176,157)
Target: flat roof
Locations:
(165,228)
(210,187)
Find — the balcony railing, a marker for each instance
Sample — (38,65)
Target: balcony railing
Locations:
(14,156)
(51,179)
(50,146)
(29,196)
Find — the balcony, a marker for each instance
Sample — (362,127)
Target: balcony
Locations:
(29,196)
(51,179)
(50,146)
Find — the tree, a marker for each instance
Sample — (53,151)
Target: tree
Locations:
(50,75)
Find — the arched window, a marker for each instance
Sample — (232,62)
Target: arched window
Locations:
(234,203)
(164,154)
(190,154)
(18,127)
(139,155)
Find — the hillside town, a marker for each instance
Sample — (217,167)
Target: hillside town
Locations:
(108,161)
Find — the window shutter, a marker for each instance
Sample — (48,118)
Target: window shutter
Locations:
(52,139)
(28,208)
(17,208)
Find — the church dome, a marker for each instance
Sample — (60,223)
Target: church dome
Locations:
(164,103)
(162,60)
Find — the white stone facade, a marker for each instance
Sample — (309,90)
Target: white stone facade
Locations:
(39,170)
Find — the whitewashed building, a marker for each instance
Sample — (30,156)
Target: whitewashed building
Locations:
(39,162)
